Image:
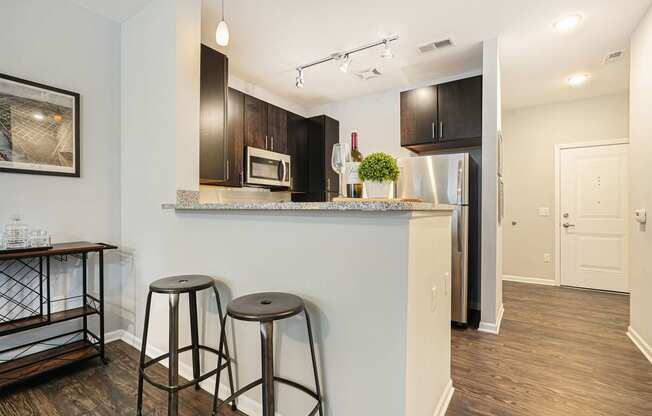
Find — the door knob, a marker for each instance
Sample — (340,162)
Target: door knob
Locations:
(567,225)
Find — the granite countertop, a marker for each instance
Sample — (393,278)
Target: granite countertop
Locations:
(309,206)
(190,201)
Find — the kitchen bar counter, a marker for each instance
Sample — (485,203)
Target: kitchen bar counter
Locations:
(189,201)
(375,276)
(310,206)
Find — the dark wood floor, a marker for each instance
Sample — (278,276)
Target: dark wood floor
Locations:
(92,389)
(560,352)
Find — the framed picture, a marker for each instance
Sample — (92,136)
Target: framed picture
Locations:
(39,128)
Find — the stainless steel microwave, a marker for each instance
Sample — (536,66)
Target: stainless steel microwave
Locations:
(265,168)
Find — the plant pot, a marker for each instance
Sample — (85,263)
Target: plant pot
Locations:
(379,189)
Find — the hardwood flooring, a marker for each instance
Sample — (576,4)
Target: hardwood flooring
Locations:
(92,389)
(560,352)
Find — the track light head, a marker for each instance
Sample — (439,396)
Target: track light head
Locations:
(299,80)
(386,53)
(346,61)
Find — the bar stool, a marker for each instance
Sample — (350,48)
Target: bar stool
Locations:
(175,286)
(266,308)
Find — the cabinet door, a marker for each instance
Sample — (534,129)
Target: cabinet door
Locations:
(331,136)
(418,116)
(277,129)
(460,110)
(255,122)
(297,134)
(212,123)
(235,138)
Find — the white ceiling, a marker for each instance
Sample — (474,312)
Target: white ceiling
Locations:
(269,39)
(118,10)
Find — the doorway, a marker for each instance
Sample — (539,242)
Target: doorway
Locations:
(592,216)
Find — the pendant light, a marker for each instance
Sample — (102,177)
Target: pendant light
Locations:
(222,32)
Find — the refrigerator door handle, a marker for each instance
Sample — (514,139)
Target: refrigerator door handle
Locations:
(460,185)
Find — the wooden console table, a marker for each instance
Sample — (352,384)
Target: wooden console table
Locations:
(26,304)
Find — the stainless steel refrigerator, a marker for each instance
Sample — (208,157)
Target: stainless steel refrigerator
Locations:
(449,179)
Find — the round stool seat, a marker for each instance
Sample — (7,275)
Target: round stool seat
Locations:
(182,284)
(264,307)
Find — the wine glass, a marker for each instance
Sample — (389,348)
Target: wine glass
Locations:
(340,157)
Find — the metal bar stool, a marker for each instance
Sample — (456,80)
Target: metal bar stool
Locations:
(266,308)
(174,286)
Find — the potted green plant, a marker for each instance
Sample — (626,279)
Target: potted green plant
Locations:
(378,171)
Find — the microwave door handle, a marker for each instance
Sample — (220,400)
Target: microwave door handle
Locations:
(284,170)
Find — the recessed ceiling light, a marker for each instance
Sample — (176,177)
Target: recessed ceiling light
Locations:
(38,116)
(568,23)
(578,79)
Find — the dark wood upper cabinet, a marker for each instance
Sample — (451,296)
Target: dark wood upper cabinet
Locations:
(460,110)
(419,116)
(255,122)
(277,129)
(297,146)
(213,109)
(235,138)
(442,117)
(323,133)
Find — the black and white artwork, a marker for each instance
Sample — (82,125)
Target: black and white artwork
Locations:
(39,128)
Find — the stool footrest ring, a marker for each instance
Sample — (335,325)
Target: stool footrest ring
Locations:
(282,380)
(172,389)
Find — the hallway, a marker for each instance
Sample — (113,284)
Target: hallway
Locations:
(560,352)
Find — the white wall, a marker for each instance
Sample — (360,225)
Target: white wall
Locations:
(640,258)
(491,239)
(58,44)
(530,135)
(376,118)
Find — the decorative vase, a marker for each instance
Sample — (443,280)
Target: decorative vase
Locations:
(383,189)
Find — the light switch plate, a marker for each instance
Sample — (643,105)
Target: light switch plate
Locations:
(544,211)
(547,258)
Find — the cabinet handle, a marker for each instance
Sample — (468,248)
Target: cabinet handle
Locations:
(433,130)
(265,142)
(227,169)
(242,178)
(441,129)
(272,142)
(328,184)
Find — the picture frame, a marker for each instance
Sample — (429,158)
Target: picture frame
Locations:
(39,128)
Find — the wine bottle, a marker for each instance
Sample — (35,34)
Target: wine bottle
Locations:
(353,183)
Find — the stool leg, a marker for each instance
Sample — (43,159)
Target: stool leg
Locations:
(314,362)
(267,353)
(194,335)
(226,347)
(141,366)
(173,369)
(220,350)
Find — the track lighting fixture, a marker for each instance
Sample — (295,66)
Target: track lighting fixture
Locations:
(299,83)
(346,61)
(345,57)
(386,53)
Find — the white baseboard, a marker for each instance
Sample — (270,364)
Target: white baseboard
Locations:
(640,343)
(113,336)
(526,279)
(445,400)
(491,327)
(245,404)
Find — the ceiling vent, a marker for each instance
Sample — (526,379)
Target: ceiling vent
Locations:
(367,74)
(432,46)
(614,56)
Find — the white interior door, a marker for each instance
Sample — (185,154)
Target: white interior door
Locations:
(594,217)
